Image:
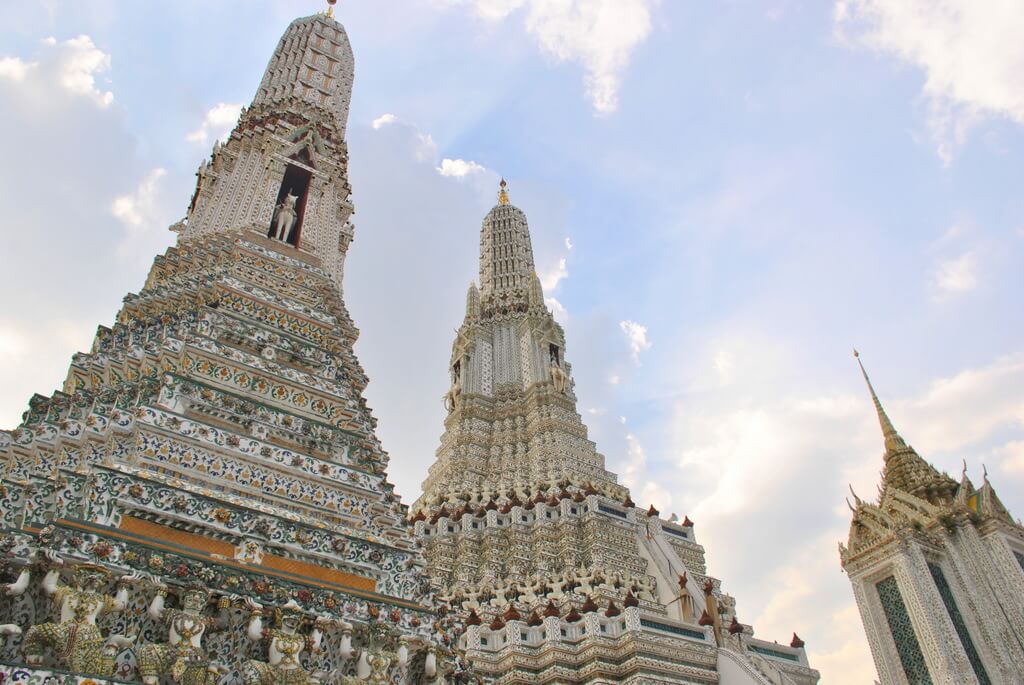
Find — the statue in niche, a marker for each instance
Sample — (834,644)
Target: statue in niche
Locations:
(76,640)
(285,215)
(559,378)
(454,394)
(284,647)
(182,657)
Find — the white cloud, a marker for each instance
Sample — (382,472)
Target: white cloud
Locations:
(73,64)
(137,207)
(459,168)
(725,365)
(384,120)
(557,310)
(568,243)
(971,53)
(959,275)
(14,68)
(598,34)
(635,476)
(550,279)
(426,148)
(80,64)
(146,213)
(216,124)
(637,335)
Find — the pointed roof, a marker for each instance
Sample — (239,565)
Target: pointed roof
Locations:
(507,270)
(904,467)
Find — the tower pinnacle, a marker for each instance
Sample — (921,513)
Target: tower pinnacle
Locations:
(904,467)
(893,441)
(503,193)
(330,8)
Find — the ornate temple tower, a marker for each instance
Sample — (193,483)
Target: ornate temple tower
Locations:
(215,445)
(937,568)
(558,575)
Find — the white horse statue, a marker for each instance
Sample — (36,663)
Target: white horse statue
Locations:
(286,216)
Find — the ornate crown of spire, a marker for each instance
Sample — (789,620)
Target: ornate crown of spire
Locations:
(904,467)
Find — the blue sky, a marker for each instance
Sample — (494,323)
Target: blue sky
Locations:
(724,197)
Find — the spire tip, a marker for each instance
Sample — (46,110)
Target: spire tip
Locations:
(503,192)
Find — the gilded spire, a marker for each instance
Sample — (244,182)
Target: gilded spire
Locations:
(503,193)
(904,468)
(330,8)
(893,441)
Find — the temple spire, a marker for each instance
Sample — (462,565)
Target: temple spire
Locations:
(330,8)
(893,441)
(503,193)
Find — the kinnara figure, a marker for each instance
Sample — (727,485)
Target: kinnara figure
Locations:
(182,657)
(286,216)
(284,647)
(76,640)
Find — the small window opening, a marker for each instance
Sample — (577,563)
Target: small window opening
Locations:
(286,222)
(554,354)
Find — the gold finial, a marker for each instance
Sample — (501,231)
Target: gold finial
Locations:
(503,193)
(893,441)
(330,8)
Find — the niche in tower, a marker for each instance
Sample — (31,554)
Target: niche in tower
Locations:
(296,181)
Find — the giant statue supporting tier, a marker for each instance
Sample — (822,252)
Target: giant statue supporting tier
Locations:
(182,657)
(76,640)
(284,647)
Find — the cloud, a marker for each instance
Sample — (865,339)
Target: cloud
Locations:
(970,52)
(557,310)
(14,68)
(81,62)
(550,279)
(958,275)
(459,168)
(635,476)
(384,120)
(135,209)
(598,34)
(73,64)
(146,213)
(637,335)
(216,124)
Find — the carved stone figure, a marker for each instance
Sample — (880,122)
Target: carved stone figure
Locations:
(284,647)
(285,217)
(381,649)
(453,396)
(182,657)
(75,640)
(559,378)
(461,672)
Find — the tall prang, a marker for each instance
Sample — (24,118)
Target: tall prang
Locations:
(214,445)
(937,569)
(532,542)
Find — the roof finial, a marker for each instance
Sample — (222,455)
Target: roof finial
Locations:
(330,8)
(503,193)
(893,441)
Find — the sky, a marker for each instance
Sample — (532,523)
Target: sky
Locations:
(725,198)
